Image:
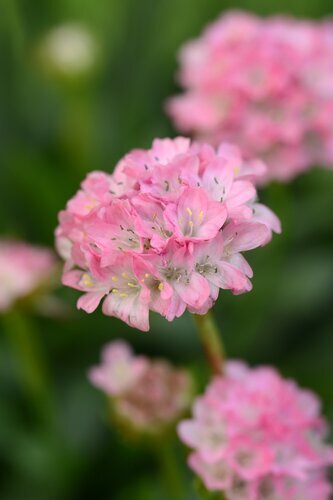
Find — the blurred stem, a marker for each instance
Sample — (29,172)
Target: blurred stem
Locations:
(170,469)
(13,22)
(211,341)
(30,363)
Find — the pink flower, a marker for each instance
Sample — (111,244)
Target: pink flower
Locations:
(145,395)
(23,269)
(256,435)
(265,84)
(120,369)
(165,232)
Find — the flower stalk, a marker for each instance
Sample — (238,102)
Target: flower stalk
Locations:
(30,364)
(211,342)
(170,470)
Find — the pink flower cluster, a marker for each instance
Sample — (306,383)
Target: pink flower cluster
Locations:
(23,269)
(257,436)
(147,395)
(164,232)
(265,84)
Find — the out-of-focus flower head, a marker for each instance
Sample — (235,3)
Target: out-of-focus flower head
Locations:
(165,232)
(23,269)
(265,84)
(146,395)
(257,436)
(69,49)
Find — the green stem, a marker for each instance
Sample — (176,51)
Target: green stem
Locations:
(211,342)
(12,22)
(30,363)
(170,470)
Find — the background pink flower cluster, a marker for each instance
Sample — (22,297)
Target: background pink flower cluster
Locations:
(23,269)
(265,84)
(164,232)
(258,436)
(147,395)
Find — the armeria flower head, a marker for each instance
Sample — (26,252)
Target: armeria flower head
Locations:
(265,84)
(146,395)
(257,436)
(23,269)
(165,232)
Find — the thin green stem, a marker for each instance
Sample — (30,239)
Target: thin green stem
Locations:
(30,363)
(211,341)
(12,21)
(170,470)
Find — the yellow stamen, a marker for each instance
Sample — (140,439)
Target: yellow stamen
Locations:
(123,295)
(125,275)
(190,222)
(90,206)
(189,211)
(236,170)
(114,278)
(132,285)
(115,290)
(201,214)
(87,280)
(161,286)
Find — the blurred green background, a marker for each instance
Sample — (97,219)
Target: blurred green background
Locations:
(54,128)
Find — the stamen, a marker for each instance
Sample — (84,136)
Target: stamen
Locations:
(114,278)
(190,222)
(201,214)
(189,211)
(87,280)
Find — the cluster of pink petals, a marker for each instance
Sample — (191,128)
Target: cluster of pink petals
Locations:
(23,269)
(257,436)
(265,84)
(147,395)
(164,232)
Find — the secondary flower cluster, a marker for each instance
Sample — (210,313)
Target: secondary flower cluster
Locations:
(257,436)
(265,84)
(164,232)
(23,269)
(147,395)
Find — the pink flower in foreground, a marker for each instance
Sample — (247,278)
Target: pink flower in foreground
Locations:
(258,436)
(265,84)
(23,269)
(165,232)
(146,395)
